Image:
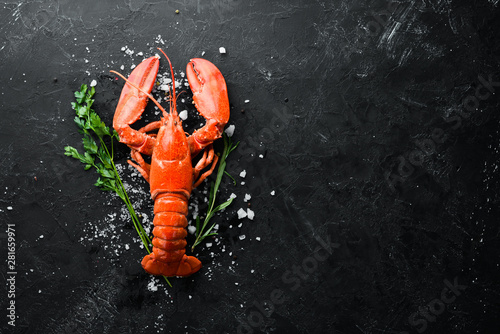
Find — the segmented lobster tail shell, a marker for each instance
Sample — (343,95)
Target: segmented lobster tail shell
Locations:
(169,241)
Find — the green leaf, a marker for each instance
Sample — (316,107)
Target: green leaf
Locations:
(223,205)
(72,152)
(89,144)
(79,122)
(80,95)
(82,111)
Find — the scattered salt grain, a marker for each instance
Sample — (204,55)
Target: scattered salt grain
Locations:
(93,83)
(257,238)
(273,193)
(250,214)
(9,208)
(209,244)
(243,173)
(230,130)
(240,225)
(183,115)
(242,237)
(222,50)
(41,237)
(152,286)
(247,197)
(252,271)
(241,213)
(202,53)
(247,101)
(233,195)
(261,156)
(191,229)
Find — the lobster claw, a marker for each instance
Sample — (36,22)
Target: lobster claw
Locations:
(211,100)
(132,104)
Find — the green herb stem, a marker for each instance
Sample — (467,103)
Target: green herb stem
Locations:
(109,180)
(201,234)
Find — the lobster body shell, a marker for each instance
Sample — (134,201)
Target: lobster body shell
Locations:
(171,174)
(171,180)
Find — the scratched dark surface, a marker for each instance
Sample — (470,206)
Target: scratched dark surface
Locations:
(379,135)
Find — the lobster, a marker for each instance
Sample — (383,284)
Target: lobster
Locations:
(171,174)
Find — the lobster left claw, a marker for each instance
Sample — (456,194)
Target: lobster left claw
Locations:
(211,100)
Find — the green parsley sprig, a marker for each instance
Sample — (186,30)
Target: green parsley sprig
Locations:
(99,156)
(201,234)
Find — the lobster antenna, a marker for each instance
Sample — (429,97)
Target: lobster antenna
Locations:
(173,107)
(141,90)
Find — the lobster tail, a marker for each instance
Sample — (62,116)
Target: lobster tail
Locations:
(168,257)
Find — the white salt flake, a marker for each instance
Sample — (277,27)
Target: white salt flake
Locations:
(247,197)
(241,213)
(202,53)
(243,173)
(209,244)
(222,50)
(41,237)
(152,286)
(273,193)
(257,238)
(233,195)
(247,101)
(250,214)
(93,83)
(230,130)
(183,115)
(191,229)
(242,237)
(261,156)
(9,208)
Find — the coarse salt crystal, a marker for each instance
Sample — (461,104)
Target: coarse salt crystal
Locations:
(250,214)
(247,101)
(261,156)
(93,83)
(247,197)
(202,53)
(241,213)
(233,195)
(191,229)
(9,208)
(209,244)
(243,173)
(242,237)
(230,130)
(257,238)
(222,50)
(273,193)
(183,115)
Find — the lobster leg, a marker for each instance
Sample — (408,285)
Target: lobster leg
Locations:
(210,98)
(132,104)
(207,173)
(142,167)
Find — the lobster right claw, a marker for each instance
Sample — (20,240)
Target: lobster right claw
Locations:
(211,100)
(132,104)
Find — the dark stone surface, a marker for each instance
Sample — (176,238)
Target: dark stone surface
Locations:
(379,134)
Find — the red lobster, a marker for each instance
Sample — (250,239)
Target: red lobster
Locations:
(171,174)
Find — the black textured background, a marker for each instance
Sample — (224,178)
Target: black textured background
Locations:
(377,132)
